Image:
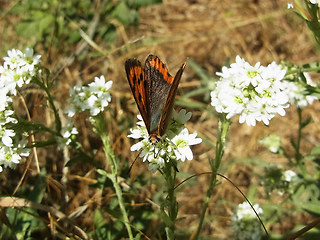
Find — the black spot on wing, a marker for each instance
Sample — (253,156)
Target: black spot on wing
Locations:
(134,79)
(140,78)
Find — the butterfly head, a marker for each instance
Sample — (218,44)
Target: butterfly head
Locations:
(154,138)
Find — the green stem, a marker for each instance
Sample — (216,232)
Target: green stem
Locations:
(113,176)
(170,204)
(220,145)
(297,148)
(99,124)
(44,84)
(213,179)
(298,155)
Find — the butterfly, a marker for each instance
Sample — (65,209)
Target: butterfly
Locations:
(154,90)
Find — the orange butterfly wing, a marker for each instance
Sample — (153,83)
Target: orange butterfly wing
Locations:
(166,113)
(154,90)
(160,83)
(163,88)
(140,88)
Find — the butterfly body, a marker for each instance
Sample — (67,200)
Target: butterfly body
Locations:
(154,90)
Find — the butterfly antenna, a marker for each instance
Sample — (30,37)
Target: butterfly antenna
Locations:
(133,162)
(185,63)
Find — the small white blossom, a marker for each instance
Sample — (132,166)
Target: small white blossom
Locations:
(6,138)
(272,142)
(182,142)
(244,211)
(289,175)
(71,111)
(14,59)
(140,132)
(6,116)
(278,180)
(297,92)
(5,100)
(95,97)
(290,5)
(245,222)
(315,1)
(100,86)
(174,145)
(68,133)
(31,61)
(8,156)
(22,148)
(11,155)
(253,92)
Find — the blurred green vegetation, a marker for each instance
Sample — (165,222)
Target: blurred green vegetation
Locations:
(58,22)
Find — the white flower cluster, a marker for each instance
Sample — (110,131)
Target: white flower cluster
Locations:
(12,151)
(296,92)
(272,142)
(18,69)
(288,175)
(175,145)
(94,97)
(279,181)
(68,133)
(315,1)
(245,222)
(290,5)
(290,180)
(253,92)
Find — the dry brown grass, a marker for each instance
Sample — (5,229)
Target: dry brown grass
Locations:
(207,31)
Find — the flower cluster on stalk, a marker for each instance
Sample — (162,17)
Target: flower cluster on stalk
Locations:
(245,222)
(68,134)
(315,2)
(253,92)
(279,181)
(272,142)
(18,69)
(297,91)
(174,146)
(94,97)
